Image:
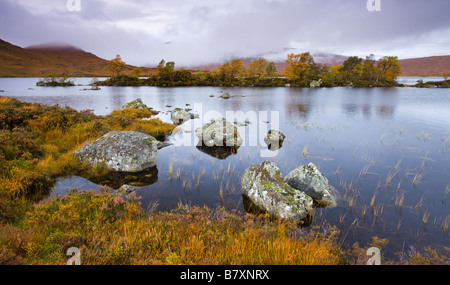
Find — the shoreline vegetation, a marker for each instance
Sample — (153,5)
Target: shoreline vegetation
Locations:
(37,143)
(300,71)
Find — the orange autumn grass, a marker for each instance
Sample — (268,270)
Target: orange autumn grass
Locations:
(195,235)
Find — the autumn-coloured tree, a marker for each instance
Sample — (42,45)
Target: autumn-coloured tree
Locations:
(136,72)
(368,68)
(160,67)
(299,65)
(258,67)
(388,68)
(230,70)
(271,69)
(116,65)
(446,75)
(332,75)
(165,70)
(351,66)
(237,67)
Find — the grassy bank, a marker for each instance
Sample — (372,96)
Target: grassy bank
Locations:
(183,236)
(36,146)
(37,142)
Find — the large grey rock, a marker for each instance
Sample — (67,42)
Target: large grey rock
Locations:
(180,116)
(315,83)
(219,133)
(309,179)
(264,186)
(121,151)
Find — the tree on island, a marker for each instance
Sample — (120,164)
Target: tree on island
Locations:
(271,69)
(368,68)
(299,66)
(388,68)
(54,79)
(257,67)
(165,71)
(136,72)
(351,68)
(116,66)
(229,70)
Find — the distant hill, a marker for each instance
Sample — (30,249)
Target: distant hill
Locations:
(38,61)
(425,66)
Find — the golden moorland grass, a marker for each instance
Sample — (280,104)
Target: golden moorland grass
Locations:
(37,141)
(185,235)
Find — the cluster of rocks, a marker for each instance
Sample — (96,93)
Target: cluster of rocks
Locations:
(292,197)
(179,116)
(263,186)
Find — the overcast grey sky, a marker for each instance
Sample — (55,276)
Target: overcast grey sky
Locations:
(202,31)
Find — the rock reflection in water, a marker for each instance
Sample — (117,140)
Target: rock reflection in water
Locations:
(273,146)
(220,152)
(116,179)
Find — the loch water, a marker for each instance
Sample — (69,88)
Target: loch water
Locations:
(376,146)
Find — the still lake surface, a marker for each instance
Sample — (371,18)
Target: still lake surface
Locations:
(386,150)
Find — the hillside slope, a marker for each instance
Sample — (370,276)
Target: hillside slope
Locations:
(425,66)
(39,61)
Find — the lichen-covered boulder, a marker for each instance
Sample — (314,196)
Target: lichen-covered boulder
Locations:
(309,179)
(136,104)
(274,136)
(219,133)
(121,151)
(225,96)
(274,139)
(264,186)
(315,83)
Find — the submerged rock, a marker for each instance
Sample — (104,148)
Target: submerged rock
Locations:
(121,151)
(137,104)
(264,186)
(225,95)
(309,179)
(127,189)
(219,133)
(161,145)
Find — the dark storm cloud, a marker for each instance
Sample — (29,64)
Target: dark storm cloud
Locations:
(200,31)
